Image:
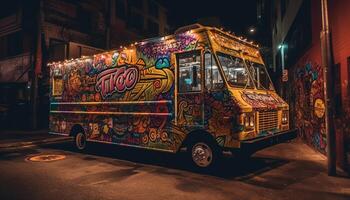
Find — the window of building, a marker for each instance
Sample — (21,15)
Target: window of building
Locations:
(15,43)
(3,47)
(85,19)
(299,36)
(153,28)
(189,72)
(136,21)
(120,10)
(153,9)
(213,78)
(57,50)
(136,4)
(11,45)
(9,8)
(283,4)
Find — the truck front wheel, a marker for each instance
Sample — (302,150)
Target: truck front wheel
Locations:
(203,154)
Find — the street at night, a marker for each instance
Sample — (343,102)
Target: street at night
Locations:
(108,172)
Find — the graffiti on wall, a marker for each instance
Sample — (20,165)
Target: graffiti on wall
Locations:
(309,104)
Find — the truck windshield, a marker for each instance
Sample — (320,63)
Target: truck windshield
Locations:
(259,74)
(234,69)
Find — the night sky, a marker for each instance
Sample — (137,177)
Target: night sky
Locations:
(234,15)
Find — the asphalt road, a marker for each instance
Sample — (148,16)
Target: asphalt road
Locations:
(285,171)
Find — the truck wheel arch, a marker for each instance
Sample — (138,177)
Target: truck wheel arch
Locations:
(76,128)
(197,134)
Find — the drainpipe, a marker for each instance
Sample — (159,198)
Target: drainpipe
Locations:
(327,63)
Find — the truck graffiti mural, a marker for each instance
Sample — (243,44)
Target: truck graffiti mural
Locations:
(262,101)
(116,76)
(118,80)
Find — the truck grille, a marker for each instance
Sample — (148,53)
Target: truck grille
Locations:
(268,120)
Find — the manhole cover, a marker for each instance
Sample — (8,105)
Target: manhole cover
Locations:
(46,158)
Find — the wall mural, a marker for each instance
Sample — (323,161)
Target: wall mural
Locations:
(309,104)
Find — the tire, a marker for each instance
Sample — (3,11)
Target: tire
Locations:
(80,141)
(203,154)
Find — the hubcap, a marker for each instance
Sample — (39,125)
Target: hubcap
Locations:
(80,141)
(202,154)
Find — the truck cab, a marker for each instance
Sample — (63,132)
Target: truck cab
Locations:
(225,89)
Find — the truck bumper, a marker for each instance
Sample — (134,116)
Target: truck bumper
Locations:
(252,145)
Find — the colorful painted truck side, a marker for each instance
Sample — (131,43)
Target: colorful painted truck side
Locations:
(201,90)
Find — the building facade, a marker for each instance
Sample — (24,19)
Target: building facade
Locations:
(35,32)
(296,28)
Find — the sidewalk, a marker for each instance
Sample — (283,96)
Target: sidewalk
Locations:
(19,138)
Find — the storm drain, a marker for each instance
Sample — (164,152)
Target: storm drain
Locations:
(46,158)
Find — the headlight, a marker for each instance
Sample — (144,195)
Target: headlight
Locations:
(285,116)
(246,124)
(249,120)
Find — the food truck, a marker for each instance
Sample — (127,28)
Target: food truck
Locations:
(200,90)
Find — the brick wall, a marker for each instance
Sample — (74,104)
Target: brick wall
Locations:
(307,82)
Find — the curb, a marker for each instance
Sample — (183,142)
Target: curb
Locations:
(15,145)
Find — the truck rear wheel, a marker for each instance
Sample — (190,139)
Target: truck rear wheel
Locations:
(80,141)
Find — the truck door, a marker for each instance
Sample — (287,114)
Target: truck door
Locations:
(189,88)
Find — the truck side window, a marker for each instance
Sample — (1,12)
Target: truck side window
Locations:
(57,86)
(213,79)
(190,72)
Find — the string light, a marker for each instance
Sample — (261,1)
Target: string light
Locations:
(87,58)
